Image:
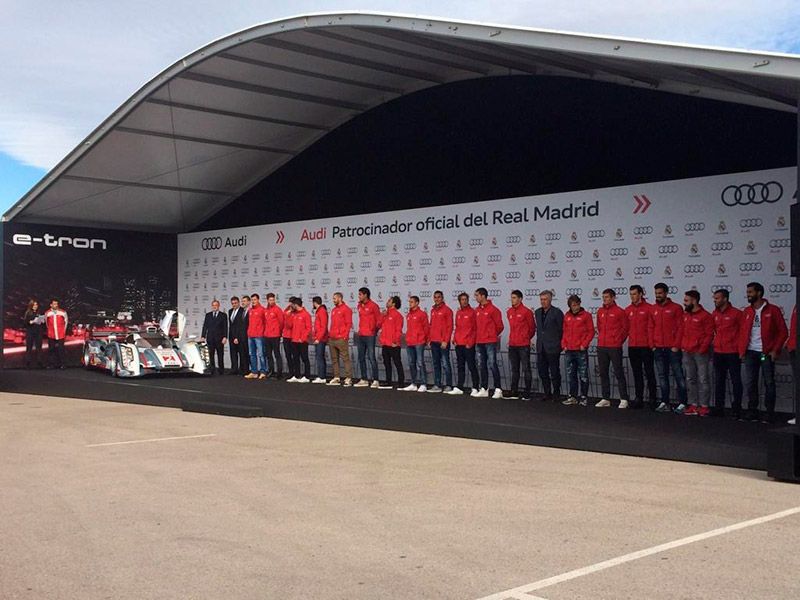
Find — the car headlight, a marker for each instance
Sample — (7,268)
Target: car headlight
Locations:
(127,356)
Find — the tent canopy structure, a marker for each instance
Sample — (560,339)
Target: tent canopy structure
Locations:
(223,118)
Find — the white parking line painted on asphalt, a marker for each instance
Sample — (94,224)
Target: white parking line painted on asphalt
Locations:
(522,591)
(164,439)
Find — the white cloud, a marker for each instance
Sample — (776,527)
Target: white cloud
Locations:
(67,65)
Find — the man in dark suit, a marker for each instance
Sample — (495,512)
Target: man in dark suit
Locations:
(237,332)
(549,330)
(215,333)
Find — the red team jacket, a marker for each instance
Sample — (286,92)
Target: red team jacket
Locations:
(56,323)
(255,323)
(521,325)
(791,343)
(274,319)
(488,323)
(417,327)
(727,324)
(612,326)
(773,328)
(640,318)
(465,332)
(391,328)
(441,323)
(341,322)
(369,318)
(578,330)
(321,325)
(288,322)
(667,324)
(301,325)
(698,331)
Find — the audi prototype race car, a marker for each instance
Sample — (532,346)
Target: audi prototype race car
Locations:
(135,353)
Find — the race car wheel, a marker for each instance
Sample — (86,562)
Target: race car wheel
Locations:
(113,365)
(85,359)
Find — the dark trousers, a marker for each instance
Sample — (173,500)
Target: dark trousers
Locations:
(520,356)
(578,370)
(391,355)
(55,348)
(240,356)
(727,365)
(216,351)
(272,350)
(465,357)
(668,362)
(753,364)
(549,366)
(288,350)
(643,366)
(33,348)
(319,355)
(440,357)
(612,357)
(299,352)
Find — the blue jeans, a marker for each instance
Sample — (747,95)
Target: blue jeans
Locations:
(668,361)
(578,370)
(319,354)
(416,364)
(258,363)
(488,358)
(366,352)
(752,365)
(441,357)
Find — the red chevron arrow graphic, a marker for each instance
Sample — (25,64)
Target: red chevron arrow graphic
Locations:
(281,237)
(646,204)
(642,204)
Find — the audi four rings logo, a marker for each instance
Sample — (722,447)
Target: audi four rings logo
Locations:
(750,223)
(440,245)
(552,273)
(694,227)
(642,230)
(694,269)
(493,258)
(595,272)
(781,288)
(729,288)
(596,233)
(721,246)
(748,267)
(552,237)
(425,262)
(475,242)
(620,291)
(495,293)
(668,249)
(574,253)
(441,277)
(211,243)
(618,252)
(513,239)
(782,243)
(574,291)
(475,276)
(366,265)
(643,270)
(459,260)
(513,275)
(409,278)
(395,262)
(410,246)
(532,256)
(752,193)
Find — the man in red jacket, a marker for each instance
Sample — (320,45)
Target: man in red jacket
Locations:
(791,346)
(464,341)
(339,340)
(320,338)
(488,327)
(301,332)
(575,339)
(369,321)
(57,320)
(286,333)
(761,340)
(417,336)
(255,339)
(441,334)
(390,339)
(274,319)
(612,331)
(521,329)
(667,332)
(698,331)
(640,347)
(727,324)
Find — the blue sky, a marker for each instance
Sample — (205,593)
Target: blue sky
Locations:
(91,55)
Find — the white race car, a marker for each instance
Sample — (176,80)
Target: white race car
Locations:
(135,353)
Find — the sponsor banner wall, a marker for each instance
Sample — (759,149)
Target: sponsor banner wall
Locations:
(704,233)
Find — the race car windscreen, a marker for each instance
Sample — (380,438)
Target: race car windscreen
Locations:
(153,340)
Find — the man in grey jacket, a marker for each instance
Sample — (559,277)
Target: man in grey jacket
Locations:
(549,327)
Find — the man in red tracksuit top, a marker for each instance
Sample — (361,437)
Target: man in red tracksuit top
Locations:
(417,336)
(612,331)
(320,338)
(727,325)
(640,347)
(369,321)
(667,333)
(698,331)
(441,334)
(339,340)
(521,329)
(57,321)
(255,339)
(286,333)
(274,319)
(761,340)
(464,340)
(575,339)
(301,333)
(791,346)
(488,326)
(390,339)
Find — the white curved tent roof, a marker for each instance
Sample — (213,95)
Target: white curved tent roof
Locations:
(224,117)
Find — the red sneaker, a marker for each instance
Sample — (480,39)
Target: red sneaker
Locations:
(691,411)
(703,411)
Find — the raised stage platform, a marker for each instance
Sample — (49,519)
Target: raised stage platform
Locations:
(719,441)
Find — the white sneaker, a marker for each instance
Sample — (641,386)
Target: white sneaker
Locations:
(292,380)
(482,393)
(623,404)
(422,388)
(455,392)
(318,380)
(348,382)
(792,421)
(570,401)
(334,381)
(385,386)
(303,379)
(498,394)
(447,389)
(434,389)
(603,404)
(361,383)
(511,396)
(409,388)
(375,385)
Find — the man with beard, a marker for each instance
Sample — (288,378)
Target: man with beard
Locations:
(667,331)
(339,341)
(640,347)
(578,334)
(698,331)
(727,324)
(464,341)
